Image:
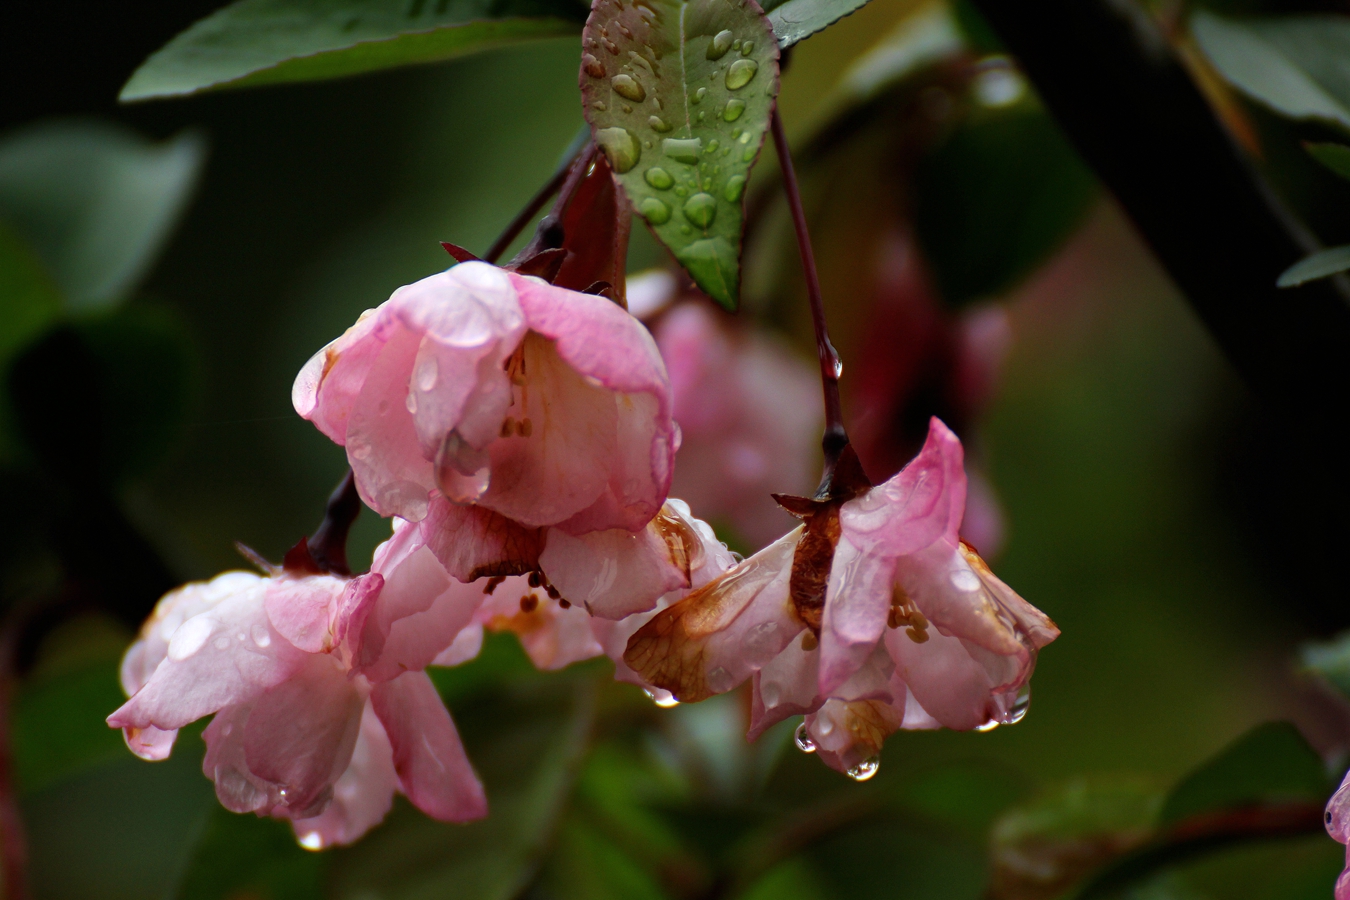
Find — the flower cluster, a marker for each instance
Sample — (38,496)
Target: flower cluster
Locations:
(522,438)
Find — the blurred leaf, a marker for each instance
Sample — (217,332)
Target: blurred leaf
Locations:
(526,745)
(1319,265)
(1293,64)
(96,201)
(58,726)
(501,661)
(797,20)
(1269,764)
(895,856)
(243,856)
(587,865)
(1331,660)
(254,42)
(967,796)
(1046,846)
(792,879)
(29,303)
(679,96)
(130,374)
(1335,157)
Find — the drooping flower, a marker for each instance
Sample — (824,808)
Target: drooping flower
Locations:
(530,405)
(1338,826)
(321,706)
(871,615)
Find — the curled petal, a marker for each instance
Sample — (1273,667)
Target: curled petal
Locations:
(786,687)
(328,385)
(945,679)
(302,609)
(474,542)
(432,767)
(467,645)
(362,796)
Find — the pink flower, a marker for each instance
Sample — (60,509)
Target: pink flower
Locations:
(321,705)
(1338,826)
(544,406)
(892,610)
(749,414)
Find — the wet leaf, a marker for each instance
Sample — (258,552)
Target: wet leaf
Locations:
(797,20)
(1335,157)
(679,97)
(1330,261)
(96,202)
(253,42)
(1293,64)
(1272,763)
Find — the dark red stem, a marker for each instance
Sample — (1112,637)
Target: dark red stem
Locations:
(13,840)
(549,233)
(550,187)
(325,551)
(836,438)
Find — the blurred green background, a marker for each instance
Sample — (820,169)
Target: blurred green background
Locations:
(1122,447)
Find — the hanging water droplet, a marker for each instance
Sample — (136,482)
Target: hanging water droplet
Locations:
(700,209)
(592,66)
(720,681)
(311,841)
(719,45)
(987,726)
(654,211)
(700,94)
(803,740)
(838,367)
(658,124)
(965,580)
(662,698)
(735,186)
(427,373)
(620,147)
(685,150)
(865,769)
(1018,711)
(740,72)
(629,87)
(733,110)
(658,178)
(261,636)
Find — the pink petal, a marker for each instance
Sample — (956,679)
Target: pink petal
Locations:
(784,688)
(363,795)
(301,609)
(849,733)
(923,502)
(858,599)
(228,654)
(553,637)
(612,573)
(950,685)
(1338,813)
(467,645)
(472,541)
(328,385)
(237,788)
(432,767)
(300,734)
(353,608)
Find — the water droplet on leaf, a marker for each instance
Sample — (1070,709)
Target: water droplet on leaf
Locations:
(740,72)
(658,178)
(719,45)
(685,150)
(700,94)
(733,110)
(735,186)
(621,148)
(654,211)
(629,87)
(701,209)
(658,124)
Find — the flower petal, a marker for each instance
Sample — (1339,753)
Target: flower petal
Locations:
(302,609)
(616,573)
(473,542)
(945,679)
(363,795)
(858,599)
(328,385)
(150,742)
(432,767)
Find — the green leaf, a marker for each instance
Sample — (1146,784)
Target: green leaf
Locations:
(246,856)
(29,303)
(1272,763)
(1293,64)
(797,20)
(995,200)
(1335,157)
(587,865)
(679,97)
(96,202)
(1326,262)
(253,42)
(1331,660)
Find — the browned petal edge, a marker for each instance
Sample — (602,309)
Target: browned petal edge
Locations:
(502,547)
(976,562)
(683,545)
(870,722)
(811,563)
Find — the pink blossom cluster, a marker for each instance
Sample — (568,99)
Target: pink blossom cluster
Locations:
(522,437)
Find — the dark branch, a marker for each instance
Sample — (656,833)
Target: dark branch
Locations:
(1138,120)
(326,550)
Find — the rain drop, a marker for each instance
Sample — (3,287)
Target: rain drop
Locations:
(865,769)
(312,841)
(733,110)
(411,403)
(592,66)
(700,209)
(1018,711)
(747,48)
(261,636)
(620,147)
(682,150)
(427,373)
(658,178)
(702,114)
(965,580)
(654,211)
(740,72)
(720,681)
(838,367)
(700,94)
(189,637)
(803,740)
(682,192)
(662,698)
(735,186)
(600,105)
(749,154)
(712,148)
(627,108)
(658,124)
(719,45)
(628,87)
(987,726)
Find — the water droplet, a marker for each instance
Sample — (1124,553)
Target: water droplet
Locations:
(700,209)
(312,841)
(682,192)
(965,580)
(770,693)
(720,681)
(825,726)
(740,72)
(654,211)
(685,150)
(658,178)
(592,66)
(719,45)
(662,698)
(747,48)
(762,642)
(620,147)
(1018,711)
(628,87)
(261,636)
(838,367)
(686,230)
(735,186)
(627,108)
(736,44)
(281,794)
(712,148)
(410,402)
(803,740)
(865,769)
(733,110)
(600,105)
(702,114)
(189,637)
(743,137)
(358,449)
(700,94)
(987,726)
(427,373)
(999,86)
(749,154)
(658,124)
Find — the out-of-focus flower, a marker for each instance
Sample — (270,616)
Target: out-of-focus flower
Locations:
(1338,826)
(321,705)
(529,404)
(748,410)
(900,622)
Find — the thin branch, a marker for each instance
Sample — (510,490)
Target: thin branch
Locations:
(836,438)
(549,233)
(524,217)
